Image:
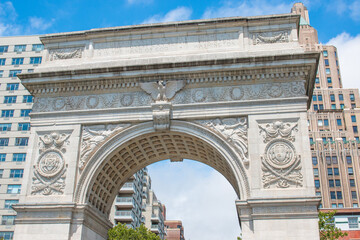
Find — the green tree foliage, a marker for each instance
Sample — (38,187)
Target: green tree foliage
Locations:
(121,232)
(327,228)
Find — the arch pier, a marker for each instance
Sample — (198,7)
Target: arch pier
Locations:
(231,93)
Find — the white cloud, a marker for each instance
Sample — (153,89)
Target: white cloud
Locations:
(198,196)
(349,58)
(251,8)
(355,10)
(177,14)
(38,23)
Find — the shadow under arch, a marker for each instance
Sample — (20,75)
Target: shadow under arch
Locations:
(140,145)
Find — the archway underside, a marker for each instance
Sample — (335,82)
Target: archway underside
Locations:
(145,150)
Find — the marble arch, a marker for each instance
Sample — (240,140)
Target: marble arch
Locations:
(232,93)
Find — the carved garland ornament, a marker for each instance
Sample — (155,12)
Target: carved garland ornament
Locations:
(280,162)
(233,130)
(49,171)
(93,136)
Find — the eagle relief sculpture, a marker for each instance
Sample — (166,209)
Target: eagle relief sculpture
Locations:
(161,91)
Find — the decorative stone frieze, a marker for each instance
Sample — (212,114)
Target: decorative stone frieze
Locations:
(270,37)
(49,171)
(233,130)
(162,90)
(281,165)
(65,53)
(93,136)
(185,96)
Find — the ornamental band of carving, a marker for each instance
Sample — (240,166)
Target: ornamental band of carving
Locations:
(65,53)
(270,37)
(281,165)
(233,130)
(49,171)
(184,96)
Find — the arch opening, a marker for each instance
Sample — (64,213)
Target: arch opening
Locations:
(127,152)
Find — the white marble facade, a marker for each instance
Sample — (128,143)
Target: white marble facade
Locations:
(231,93)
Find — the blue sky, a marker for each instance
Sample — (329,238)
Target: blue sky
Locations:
(19,17)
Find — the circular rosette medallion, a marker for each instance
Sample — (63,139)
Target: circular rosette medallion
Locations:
(280,154)
(50,164)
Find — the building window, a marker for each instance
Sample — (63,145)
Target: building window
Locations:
(314,98)
(20,48)
(16,173)
(12,86)
(326,62)
(350,171)
(352,97)
(353,118)
(14,188)
(320,97)
(336,171)
(341,97)
(325,53)
(4,142)
(353,195)
(328,159)
(348,159)
(355,129)
(1,173)
(2,61)
(334,160)
(1,73)
(316,172)
(28,99)
(19,157)
(2,50)
(316,107)
(353,222)
(2,157)
(22,141)
(353,105)
(25,112)
(24,127)
(327,70)
(10,99)
(337,183)
(333,106)
(341,205)
(320,122)
(7,235)
(329,80)
(7,113)
(339,195)
(330,171)
(314,161)
(326,122)
(4,127)
(8,220)
(321,106)
(331,183)
(37,47)
(332,195)
(30,70)
(14,73)
(355,205)
(9,203)
(352,183)
(342,106)
(35,60)
(317,183)
(317,81)
(17,61)
(338,122)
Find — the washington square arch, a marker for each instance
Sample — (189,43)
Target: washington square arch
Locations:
(231,93)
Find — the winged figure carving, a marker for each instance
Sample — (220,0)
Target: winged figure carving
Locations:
(163,90)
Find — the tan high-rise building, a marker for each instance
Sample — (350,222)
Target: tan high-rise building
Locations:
(333,119)
(175,230)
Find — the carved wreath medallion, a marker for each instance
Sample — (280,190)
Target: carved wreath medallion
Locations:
(50,164)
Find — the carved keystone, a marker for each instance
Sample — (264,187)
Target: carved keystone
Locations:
(161,115)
